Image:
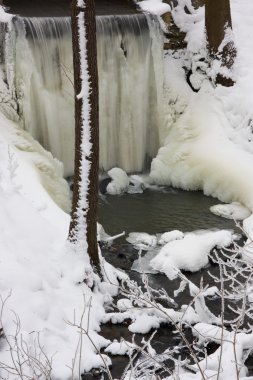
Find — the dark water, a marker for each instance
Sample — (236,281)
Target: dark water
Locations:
(159,211)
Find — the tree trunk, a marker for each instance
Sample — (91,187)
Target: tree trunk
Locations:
(83,226)
(218,20)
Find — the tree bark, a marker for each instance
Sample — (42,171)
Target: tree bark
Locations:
(218,19)
(89,210)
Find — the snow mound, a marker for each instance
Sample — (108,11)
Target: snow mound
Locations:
(142,240)
(120,348)
(191,252)
(170,236)
(119,183)
(156,7)
(231,211)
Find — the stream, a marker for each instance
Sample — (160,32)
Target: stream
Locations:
(156,212)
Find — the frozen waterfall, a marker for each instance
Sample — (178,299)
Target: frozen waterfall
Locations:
(38,71)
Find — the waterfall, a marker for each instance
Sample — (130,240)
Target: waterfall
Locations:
(130,68)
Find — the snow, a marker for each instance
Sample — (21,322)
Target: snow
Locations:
(145,242)
(156,7)
(230,359)
(131,184)
(198,154)
(41,280)
(207,145)
(79,233)
(142,240)
(38,175)
(191,252)
(233,211)
(120,348)
(247,226)
(180,251)
(169,236)
(214,129)
(145,317)
(4,17)
(119,183)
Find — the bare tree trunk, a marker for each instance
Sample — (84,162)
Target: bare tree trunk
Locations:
(87,209)
(218,20)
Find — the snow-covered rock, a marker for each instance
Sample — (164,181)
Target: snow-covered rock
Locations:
(233,210)
(142,240)
(119,183)
(191,252)
(120,348)
(170,236)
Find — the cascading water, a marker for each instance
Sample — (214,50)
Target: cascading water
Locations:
(130,67)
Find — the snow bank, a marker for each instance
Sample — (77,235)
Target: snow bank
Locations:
(41,281)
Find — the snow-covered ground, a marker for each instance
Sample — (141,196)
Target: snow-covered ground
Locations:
(41,279)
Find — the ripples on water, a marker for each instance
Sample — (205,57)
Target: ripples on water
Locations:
(159,211)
